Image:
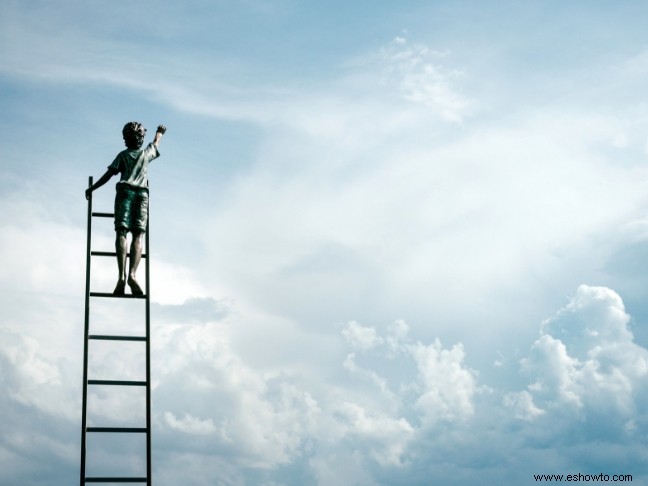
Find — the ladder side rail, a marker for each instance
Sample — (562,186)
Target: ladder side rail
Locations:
(85,340)
(149,472)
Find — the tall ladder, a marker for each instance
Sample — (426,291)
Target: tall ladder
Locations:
(85,430)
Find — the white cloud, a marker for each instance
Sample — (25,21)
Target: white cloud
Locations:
(586,360)
(387,437)
(522,405)
(416,72)
(448,387)
(405,408)
(361,337)
(266,420)
(594,317)
(263,419)
(189,424)
(34,379)
(399,221)
(43,249)
(558,373)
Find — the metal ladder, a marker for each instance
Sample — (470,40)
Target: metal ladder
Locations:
(89,295)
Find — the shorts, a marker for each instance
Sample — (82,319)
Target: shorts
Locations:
(131,208)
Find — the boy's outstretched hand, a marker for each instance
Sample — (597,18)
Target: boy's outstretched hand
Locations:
(158,134)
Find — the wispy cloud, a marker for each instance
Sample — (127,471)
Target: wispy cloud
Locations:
(417,72)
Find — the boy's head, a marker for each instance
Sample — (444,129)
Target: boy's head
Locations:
(134,133)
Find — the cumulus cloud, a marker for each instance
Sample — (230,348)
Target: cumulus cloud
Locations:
(261,419)
(440,388)
(36,378)
(360,337)
(444,388)
(383,436)
(585,364)
(406,410)
(40,385)
(269,420)
(448,387)
(522,405)
(406,407)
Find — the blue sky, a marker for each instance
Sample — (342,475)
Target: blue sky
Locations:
(392,242)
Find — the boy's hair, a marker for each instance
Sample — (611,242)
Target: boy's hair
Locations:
(134,133)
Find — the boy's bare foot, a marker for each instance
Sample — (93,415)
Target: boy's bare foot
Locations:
(134,286)
(119,289)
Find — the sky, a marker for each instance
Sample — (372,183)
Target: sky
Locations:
(392,243)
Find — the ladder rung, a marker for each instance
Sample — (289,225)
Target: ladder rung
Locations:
(123,296)
(103,253)
(104,215)
(117,382)
(117,338)
(110,254)
(117,429)
(115,480)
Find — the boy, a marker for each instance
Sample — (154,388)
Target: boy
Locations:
(131,200)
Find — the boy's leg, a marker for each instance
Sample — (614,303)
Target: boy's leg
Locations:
(135,256)
(120,248)
(122,215)
(139,217)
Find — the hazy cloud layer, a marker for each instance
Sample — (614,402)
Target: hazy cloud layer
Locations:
(403,409)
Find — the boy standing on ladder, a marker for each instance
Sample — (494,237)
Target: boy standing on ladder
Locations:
(131,200)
